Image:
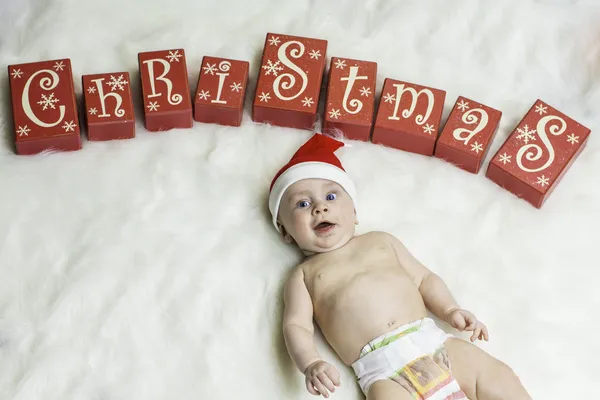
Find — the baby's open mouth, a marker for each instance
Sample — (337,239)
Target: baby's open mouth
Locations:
(323,226)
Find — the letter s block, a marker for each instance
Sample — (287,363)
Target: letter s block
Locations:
(44,108)
(289,82)
(108,106)
(409,117)
(538,153)
(165,90)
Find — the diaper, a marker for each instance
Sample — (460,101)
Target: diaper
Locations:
(414,356)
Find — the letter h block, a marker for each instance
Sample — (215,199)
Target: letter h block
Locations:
(165,90)
(409,117)
(108,106)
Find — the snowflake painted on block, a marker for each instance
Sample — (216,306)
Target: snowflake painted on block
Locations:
(541,109)
(69,126)
(153,106)
(265,97)
(117,83)
(542,180)
(315,54)
(93,111)
(209,68)
(525,134)
(505,158)
(463,105)
(307,102)
(23,131)
(174,56)
(58,66)
(573,139)
(340,64)
(16,73)
(428,128)
(204,94)
(476,147)
(236,87)
(91,89)
(389,98)
(48,101)
(274,40)
(271,68)
(365,91)
(335,114)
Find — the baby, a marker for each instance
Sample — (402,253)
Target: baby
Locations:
(370,297)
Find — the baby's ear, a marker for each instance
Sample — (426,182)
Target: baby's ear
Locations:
(284,234)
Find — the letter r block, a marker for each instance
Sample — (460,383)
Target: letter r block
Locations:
(165,90)
(289,81)
(409,117)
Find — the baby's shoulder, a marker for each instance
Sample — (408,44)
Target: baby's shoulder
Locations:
(379,236)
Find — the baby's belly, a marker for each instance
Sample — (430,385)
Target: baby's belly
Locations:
(365,308)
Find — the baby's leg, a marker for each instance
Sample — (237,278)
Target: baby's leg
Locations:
(481,376)
(387,389)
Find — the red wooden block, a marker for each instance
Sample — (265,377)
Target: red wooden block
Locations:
(44,107)
(165,90)
(538,153)
(289,82)
(468,133)
(221,91)
(108,106)
(350,100)
(408,117)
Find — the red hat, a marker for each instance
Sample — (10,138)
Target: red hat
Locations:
(314,159)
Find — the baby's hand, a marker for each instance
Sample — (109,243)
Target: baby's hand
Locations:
(321,376)
(464,320)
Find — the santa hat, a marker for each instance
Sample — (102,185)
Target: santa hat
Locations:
(314,159)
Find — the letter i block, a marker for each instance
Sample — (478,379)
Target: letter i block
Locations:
(468,134)
(538,153)
(221,91)
(44,107)
(165,90)
(350,101)
(108,106)
(289,82)
(409,117)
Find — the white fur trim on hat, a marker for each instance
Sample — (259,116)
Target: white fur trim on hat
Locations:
(308,170)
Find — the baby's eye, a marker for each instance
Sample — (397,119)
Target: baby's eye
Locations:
(303,204)
(331,196)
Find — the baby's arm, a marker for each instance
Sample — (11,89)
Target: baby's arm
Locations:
(298,321)
(436,295)
(320,376)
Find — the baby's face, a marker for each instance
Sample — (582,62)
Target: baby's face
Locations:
(318,215)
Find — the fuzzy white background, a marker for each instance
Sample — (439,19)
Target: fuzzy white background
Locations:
(148,268)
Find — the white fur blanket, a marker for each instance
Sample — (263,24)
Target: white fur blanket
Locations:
(148,268)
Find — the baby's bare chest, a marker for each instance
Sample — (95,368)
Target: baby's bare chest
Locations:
(355,275)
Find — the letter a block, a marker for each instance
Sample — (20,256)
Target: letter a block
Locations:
(165,90)
(108,106)
(350,101)
(408,117)
(468,134)
(538,153)
(289,82)
(221,91)
(44,108)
